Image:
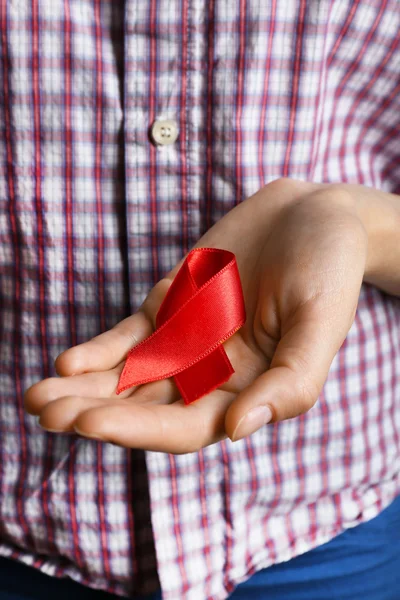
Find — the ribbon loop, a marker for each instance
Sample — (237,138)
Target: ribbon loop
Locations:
(203,307)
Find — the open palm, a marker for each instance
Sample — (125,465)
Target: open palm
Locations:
(301,253)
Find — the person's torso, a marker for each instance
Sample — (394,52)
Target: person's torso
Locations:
(92,213)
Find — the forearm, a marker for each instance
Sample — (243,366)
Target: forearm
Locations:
(380,214)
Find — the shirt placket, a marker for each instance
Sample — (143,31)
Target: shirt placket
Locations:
(163,114)
(160,196)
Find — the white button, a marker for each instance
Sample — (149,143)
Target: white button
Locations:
(164,131)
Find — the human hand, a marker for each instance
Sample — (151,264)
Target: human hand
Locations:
(302,251)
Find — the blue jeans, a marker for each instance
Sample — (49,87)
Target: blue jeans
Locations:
(363,563)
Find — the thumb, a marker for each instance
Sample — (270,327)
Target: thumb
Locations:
(294,380)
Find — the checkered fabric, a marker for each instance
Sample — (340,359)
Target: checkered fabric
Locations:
(92,214)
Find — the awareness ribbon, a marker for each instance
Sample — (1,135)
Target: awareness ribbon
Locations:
(203,307)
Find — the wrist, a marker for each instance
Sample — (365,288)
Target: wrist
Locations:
(379,213)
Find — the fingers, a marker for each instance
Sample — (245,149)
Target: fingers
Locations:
(294,381)
(108,349)
(157,392)
(102,385)
(60,415)
(98,386)
(175,428)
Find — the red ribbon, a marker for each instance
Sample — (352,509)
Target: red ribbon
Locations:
(203,307)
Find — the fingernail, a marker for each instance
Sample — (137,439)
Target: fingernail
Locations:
(52,430)
(255,418)
(91,436)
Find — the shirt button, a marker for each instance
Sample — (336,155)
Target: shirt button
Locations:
(164,132)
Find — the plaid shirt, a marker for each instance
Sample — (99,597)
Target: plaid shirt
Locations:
(92,214)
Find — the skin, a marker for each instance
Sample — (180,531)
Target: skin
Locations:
(303,251)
